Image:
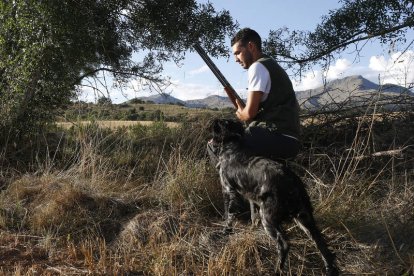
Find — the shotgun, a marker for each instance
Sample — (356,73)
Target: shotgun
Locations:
(231,93)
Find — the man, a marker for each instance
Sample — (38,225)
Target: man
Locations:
(272,110)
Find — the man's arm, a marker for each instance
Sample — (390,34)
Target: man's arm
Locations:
(248,113)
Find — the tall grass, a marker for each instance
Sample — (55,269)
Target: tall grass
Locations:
(145,200)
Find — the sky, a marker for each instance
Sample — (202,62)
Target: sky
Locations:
(193,79)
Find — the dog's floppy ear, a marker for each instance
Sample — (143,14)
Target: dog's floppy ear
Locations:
(217,127)
(226,130)
(236,128)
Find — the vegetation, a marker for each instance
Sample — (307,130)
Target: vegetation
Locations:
(137,111)
(49,49)
(144,199)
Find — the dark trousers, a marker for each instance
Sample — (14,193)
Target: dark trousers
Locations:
(261,141)
(270,144)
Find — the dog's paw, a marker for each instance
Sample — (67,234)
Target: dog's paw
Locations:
(256,222)
(332,271)
(227,231)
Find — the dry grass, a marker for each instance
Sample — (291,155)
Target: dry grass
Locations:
(112,124)
(147,202)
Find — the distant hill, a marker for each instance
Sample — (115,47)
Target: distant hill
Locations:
(349,91)
(359,83)
(162,99)
(214,101)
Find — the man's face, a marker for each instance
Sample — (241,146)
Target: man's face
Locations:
(243,54)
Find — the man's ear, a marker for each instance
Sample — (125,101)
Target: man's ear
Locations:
(251,46)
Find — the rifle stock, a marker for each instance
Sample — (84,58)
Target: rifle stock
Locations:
(231,93)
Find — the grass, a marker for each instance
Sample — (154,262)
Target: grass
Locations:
(136,112)
(112,124)
(144,200)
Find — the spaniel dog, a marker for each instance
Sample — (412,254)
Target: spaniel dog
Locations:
(277,191)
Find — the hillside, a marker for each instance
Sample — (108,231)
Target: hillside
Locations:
(213,101)
(350,91)
(162,99)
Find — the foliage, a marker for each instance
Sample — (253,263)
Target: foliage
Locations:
(352,24)
(104,101)
(47,48)
(139,111)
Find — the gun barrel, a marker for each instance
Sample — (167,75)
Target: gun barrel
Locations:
(211,65)
(228,88)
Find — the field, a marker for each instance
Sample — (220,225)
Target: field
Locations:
(111,124)
(136,111)
(144,200)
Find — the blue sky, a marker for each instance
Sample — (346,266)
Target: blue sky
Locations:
(193,80)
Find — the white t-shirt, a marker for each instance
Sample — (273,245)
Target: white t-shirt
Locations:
(259,79)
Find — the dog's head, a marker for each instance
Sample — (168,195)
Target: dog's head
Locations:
(224,131)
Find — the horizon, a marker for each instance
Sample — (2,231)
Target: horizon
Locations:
(156,95)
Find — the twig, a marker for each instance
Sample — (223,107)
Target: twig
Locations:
(392,241)
(395,152)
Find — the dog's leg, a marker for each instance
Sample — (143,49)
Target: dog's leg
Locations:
(307,223)
(253,213)
(228,197)
(230,210)
(272,226)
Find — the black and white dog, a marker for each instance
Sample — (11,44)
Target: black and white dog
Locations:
(279,193)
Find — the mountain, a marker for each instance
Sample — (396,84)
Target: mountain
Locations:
(213,101)
(359,83)
(162,99)
(350,91)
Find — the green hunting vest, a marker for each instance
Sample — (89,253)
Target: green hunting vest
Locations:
(280,111)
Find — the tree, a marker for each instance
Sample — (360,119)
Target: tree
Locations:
(104,101)
(356,22)
(47,48)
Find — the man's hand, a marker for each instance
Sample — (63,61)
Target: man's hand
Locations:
(239,110)
(252,107)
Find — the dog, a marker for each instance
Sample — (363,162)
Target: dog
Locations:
(277,191)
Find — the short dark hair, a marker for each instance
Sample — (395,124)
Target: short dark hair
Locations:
(247,35)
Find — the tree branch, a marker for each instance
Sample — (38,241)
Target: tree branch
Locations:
(351,40)
(126,73)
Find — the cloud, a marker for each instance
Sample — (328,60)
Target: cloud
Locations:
(397,69)
(338,69)
(310,80)
(192,91)
(198,71)
(313,79)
